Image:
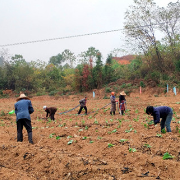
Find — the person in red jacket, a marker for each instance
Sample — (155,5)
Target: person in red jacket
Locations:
(51,111)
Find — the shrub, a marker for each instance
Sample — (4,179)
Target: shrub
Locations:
(123,85)
(108,89)
(106,97)
(52,93)
(142,84)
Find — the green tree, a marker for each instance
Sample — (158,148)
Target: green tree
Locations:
(108,74)
(56,60)
(78,78)
(91,53)
(97,72)
(68,57)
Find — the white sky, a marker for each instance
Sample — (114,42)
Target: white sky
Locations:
(30,20)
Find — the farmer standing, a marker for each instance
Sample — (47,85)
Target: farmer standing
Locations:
(50,111)
(163,112)
(23,109)
(122,102)
(83,105)
(113,103)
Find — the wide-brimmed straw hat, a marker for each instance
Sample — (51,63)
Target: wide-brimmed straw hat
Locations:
(22,96)
(123,93)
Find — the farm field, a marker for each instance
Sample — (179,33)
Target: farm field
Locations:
(97,146)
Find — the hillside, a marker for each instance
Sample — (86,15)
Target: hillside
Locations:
(124,59)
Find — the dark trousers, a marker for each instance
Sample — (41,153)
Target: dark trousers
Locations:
(52,116)
(166,122)
(112,112)
(27,124)
(82,108)
(122,112)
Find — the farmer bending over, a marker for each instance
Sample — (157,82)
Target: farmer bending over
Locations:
(51,111)
(163,112)
(83,105)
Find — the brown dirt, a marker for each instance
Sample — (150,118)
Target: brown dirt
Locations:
(90,158)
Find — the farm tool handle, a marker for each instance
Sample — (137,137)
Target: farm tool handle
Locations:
(100,108)
(70,110)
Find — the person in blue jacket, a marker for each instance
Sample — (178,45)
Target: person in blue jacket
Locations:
(23,109)
(163,112)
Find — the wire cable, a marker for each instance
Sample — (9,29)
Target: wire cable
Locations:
(74,36)
(53,39)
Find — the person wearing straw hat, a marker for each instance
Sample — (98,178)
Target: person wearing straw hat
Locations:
(122,102)
(113,103)
(23,109)
(51,111)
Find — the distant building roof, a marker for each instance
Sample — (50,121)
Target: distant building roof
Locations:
(124,59)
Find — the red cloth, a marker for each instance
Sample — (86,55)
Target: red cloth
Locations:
(122,106)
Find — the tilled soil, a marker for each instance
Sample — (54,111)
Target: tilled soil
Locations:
(97,146)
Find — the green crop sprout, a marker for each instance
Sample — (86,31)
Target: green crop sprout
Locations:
(110,145)
(113,131)
(58,137)
(52,135)
(123,140)
(147,145)
(159,135)
(163,131)
(167,156)
(127,131)
(70,142)
(132,150)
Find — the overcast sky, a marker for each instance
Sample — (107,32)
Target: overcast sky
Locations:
(31,20)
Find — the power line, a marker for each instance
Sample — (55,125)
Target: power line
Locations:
(68,37)
(53,39)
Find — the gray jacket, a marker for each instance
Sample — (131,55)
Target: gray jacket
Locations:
(113,103)
(82,102)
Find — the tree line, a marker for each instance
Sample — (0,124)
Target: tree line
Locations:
(155,58)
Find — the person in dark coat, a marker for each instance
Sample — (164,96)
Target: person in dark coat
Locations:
(163,112)
(50,111)
(113,103)
(122,102)
(83,105)
(23,109)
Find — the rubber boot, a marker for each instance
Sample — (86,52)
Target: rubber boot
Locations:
(122,112)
